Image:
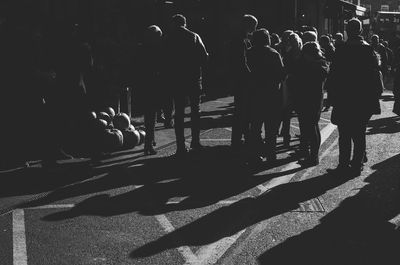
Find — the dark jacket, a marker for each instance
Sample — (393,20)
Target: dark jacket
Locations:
(266,74)
(310,75)
(185,57)
(352,82)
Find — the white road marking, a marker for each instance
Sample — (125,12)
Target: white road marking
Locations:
(266,224)
(325,133)
(325,120)
(215,140)
(185,251)
(210,254)
(19,239)
(51,206)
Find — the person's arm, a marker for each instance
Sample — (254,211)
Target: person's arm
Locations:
(201,51)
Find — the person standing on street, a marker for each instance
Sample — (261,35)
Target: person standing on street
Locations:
(150,67)
(239,72)
(354,91)
(186,56)
(266,74)
(311,71)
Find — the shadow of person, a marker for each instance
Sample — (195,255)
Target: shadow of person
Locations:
(385,125)
(202,180)
(358,231)
(34,180)
(229,220)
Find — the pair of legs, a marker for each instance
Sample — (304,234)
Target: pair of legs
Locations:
(271,123)
(180,104)
(241,120)
(310,137)
(149,124)
(352,131)
(285,120)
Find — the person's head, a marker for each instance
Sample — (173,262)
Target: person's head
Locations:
(153,34)
(339,37)
(354,27)
(312,50)
(324,40)
(375,39)
(178,20)
(261,37)
(275,39)
(285,35)
(385,43)
(249,23)
(309,36)
(294,42)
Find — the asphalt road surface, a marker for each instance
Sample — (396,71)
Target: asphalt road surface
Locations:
(208,208)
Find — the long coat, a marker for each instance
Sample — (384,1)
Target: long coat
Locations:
(353,82)
(266,74)
(310,74)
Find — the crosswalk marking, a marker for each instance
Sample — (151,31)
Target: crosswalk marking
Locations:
(19,240)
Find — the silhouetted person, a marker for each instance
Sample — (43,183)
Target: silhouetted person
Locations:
(292,55)
(327,48)
(381,50)
(239,72)
(186,55)
(266,74)
(309,36)
(354,93)
(68,102)
(339,39)
(310,71)
(150,83)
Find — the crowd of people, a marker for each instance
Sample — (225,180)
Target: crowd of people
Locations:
(272,77)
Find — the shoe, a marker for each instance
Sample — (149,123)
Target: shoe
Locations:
(181,152)
(196,147)
(309,162)
(150,151)
(342,170)
(255,161)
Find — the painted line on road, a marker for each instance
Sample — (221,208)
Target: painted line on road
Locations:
(325,120)
(185,251)
(210,254)
(325,133)
(265,224)
(19,238)
(216,140)
(51,206)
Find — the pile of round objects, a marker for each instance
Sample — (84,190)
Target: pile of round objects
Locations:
(113,132)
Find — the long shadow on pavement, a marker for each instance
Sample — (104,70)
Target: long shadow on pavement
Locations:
(358,231)
(203,179)
(229,220)
(385,125)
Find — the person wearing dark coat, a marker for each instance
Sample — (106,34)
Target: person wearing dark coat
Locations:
(311,71)
(239,73)
(186,55)
(353,80)
(266,74)
(150,69)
